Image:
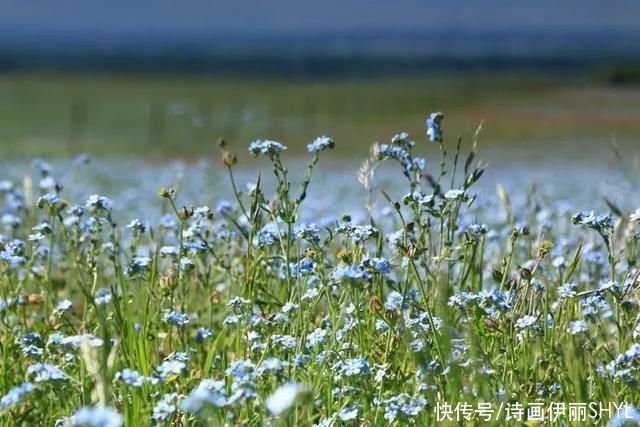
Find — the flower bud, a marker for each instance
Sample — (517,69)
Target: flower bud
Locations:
(228,158)
(185,213)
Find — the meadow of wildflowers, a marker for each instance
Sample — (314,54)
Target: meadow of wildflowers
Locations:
(253,311)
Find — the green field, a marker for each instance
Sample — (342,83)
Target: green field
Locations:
(180,116)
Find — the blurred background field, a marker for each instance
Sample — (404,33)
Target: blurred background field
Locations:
(181,116)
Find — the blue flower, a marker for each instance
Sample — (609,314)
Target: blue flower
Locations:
(457,194)
(602,223)
(362,233)
(96,417)
(30,338)
(41,166)
(43,227)
(526,321)
(321,143)
(378,265)
(281,317)
(577,327)
(416,197)
(241,370)
(224,207)
(301,360)
(177,355)
(14,262)
(392,151)
(98,203)
(583,217)
(15,395)
(316,338)
(289,307)
(103,296)
(32,350)
(169,251)
(130,377)
(48,184)
(349,413)
(186,264)
(238,303)
(203,334)
(624,416)
(176,319)
(75,341)
(350,273)
(13,253)
(326,422)
(45,372)
(394,301)
(307,231)
(267,236)
(170,368)
(138,265)
(137,227)
(266,147)
(419,164)
(165,407)
(49,200)
(243,374)
(304,267)
(402,139)
(208,392)
(283,398)
(398,153)
(417,345)
(402,404)
(11,221)
(168,222)
(63,305)
(568,290)
(272,365)
(231,319)
(352,367)
(595,304)
(381,325)
(36,237)
(310,294)
(75,210)
(433,125)
(287,342)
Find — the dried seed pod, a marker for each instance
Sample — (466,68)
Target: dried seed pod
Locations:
(35,299)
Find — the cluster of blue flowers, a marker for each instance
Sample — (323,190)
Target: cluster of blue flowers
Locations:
(320,144)
(266,147)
